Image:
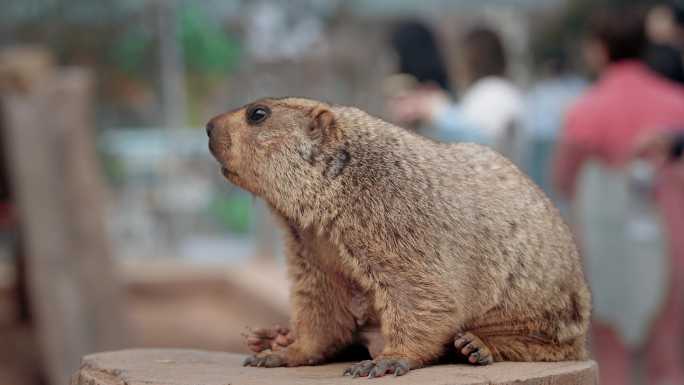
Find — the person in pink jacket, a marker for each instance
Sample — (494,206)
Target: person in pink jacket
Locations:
(629,102)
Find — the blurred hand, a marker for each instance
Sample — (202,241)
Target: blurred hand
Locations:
(418,105)
(656,148)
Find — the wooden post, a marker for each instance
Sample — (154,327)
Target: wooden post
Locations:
(75,299)
(21,68)
(192,367)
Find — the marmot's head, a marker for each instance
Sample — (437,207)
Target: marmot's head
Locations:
(281,149)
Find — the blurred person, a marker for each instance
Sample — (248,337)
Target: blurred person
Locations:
(472,119)
(420,65)
(632,244)
(677,7)
(665,23)
(418,54)
(664,29)
(544,109)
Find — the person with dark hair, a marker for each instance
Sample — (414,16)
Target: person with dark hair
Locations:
(472,119)
(418,55)
(484,54)
(665,31)
(420,68)
(631,214)
(622,38)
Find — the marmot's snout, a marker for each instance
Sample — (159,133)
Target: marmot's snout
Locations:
(219,137)
(209,128)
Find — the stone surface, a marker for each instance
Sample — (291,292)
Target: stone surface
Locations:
(192,367)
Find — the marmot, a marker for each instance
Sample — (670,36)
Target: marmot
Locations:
(409,246)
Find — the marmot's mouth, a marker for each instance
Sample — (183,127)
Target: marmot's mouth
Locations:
(227,173)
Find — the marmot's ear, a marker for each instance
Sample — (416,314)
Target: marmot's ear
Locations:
(322,124)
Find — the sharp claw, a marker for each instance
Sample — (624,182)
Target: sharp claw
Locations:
(400,371)
(371,369)
(484,360)
(381,368)
(375,372)
(402,368)
(247,361)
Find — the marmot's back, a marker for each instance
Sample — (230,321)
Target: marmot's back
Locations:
(519,224)
(472,209)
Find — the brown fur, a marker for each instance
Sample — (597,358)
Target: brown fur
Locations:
(406,244)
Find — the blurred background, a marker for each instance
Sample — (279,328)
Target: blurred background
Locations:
(117,229)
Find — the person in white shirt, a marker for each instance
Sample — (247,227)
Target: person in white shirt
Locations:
(490,108)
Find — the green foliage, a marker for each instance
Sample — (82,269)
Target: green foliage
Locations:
(130,52)
(234,212)
(113,169)
(207,49)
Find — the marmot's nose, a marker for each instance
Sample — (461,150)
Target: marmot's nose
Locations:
(210,128)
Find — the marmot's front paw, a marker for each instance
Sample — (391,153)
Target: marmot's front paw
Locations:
(265,359)
(379,367)
(290,356)
(275,338)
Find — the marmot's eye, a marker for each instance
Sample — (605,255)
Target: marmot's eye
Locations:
(257,114)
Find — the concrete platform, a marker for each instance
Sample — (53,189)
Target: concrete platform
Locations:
(192,367)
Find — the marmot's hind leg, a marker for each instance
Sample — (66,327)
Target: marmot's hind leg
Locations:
(535,348)
(516,341)
(487,349)
(472,347)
